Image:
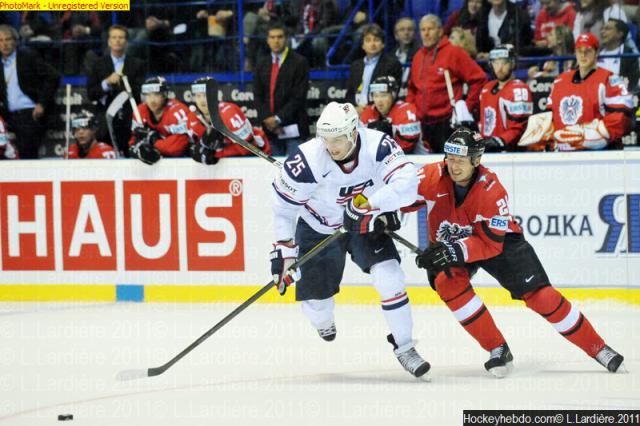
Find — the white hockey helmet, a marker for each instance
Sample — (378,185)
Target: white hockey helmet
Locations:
(338,120)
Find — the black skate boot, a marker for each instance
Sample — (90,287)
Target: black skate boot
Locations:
(329,333)
(611,360)
(500,362)
(410,359)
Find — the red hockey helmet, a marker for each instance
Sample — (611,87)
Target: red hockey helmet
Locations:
(233,117)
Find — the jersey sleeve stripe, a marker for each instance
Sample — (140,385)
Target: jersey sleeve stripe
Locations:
(625,101)
(492,235)
(388,176)
(287,198)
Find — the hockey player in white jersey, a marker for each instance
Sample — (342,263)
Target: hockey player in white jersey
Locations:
(315,193)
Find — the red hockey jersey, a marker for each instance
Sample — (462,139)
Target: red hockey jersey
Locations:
(173,127)
(98,150)
(479,223)
(404,122)
(504,112)
(601,95)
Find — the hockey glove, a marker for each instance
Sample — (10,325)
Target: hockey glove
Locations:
(493,144)
(358,220)
(382,125)
(202,154)
(140,132)
(282,256)
(145,152)
(388,221)
(441,256)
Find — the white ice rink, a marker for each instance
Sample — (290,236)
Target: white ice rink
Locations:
(269,367)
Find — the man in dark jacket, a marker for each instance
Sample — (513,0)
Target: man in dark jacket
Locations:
(27,90)
(614,33)
(104,83)
(375,64)
(280,86)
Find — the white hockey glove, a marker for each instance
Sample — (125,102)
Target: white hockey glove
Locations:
(539,129)
(283,255)
(462,114)
(592,135)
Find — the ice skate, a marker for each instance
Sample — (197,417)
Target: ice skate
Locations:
(329,333)
(500,362)
(611,360)
(410,359)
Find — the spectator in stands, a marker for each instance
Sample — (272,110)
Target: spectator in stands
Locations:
(86,145)
(614,34)
(589,18)
(7,150)
(469,17)
(164,130)
(318,21)
(553,13)
(504,23)
(505,103)
(217,53)
(394,117)
(209,145)
(104,83)
(78,28)
(157,29)
(27,90)
(428,88)
(376,63)
(404,32)
(583,116)
(561,43)
(280,85)
(463,38)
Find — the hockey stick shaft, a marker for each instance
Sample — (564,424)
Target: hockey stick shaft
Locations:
(134,105)
(67,121)
(155,371)
(218,124)
(452,98)
(408,244)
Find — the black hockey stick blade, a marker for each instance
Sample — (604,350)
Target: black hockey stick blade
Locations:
(156,371)
(218,124)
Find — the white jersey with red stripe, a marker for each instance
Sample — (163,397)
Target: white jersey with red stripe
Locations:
(311,184)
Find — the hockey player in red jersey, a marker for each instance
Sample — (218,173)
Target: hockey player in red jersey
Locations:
(86,144)
(164,130)
(210,145)
(396,118)
(505,103)
(591,106)
(7,150)
(470,227)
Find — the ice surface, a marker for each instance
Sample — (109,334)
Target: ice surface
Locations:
(269,367)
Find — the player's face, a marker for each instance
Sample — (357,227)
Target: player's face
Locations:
(117,41)
(405,31)
(201,102)
(7,43)
(155,101)
(430,33)
(586,57)
(276,40)
(501,68)
(338,148)
(372,45)
(84,135)
(460,169)
(383,102)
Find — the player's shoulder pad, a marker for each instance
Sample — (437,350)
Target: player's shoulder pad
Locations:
(489,180)
(176,105)
(387,148)
(298,164)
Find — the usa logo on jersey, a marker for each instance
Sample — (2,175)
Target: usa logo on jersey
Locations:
(489,123)
(570,109)
(452,232)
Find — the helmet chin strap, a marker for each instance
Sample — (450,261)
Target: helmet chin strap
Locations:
(353,141)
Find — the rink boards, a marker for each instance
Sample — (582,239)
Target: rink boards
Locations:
(103,230)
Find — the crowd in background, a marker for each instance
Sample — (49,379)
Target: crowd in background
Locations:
(407,61)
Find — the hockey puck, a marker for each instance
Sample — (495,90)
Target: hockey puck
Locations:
(65,417)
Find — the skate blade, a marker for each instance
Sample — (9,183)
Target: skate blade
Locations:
(622,369)
(503,371)
(426,377)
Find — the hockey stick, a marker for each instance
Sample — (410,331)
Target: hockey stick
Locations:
(114,107)
(218,124)
(452,99)
(155,371)
(134,105)
(67,122)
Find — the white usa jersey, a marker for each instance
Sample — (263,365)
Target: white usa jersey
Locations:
(311,184)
